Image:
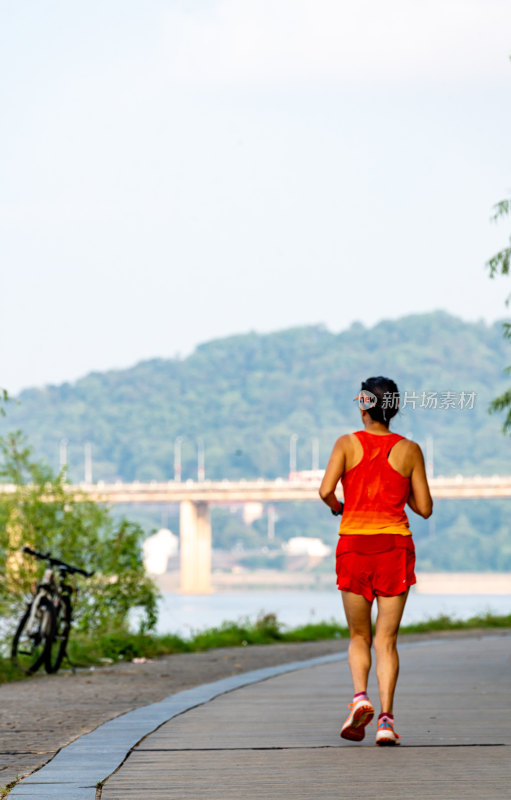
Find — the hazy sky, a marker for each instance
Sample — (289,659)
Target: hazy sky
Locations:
(173,172)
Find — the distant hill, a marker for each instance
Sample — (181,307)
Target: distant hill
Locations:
(245,395)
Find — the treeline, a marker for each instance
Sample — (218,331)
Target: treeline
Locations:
(244,396)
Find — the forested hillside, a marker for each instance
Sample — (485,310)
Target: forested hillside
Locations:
(245,395)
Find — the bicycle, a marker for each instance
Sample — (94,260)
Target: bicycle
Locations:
(43,631)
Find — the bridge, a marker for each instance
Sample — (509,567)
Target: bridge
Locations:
(195,498)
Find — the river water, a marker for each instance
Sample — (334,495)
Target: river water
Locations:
(183,614)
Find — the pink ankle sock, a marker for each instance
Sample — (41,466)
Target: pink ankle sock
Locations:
(358,695)
(384,714)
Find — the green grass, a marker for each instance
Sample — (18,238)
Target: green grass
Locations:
(4,790)
(8,672)
(446,623)
(124,645)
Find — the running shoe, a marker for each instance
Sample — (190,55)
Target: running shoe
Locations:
(385,733)
(360,715)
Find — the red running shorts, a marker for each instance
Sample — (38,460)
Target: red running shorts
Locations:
(377,564)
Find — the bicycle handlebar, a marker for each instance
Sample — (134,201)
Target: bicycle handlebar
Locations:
(55,562)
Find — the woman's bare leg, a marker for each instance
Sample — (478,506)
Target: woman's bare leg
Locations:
(358,615)
(390,611)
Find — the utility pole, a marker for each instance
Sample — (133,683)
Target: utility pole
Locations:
(201,472)
(177,459)
(292,452)
(88,462)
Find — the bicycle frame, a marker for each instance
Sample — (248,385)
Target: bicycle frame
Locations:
(51,589)
(42,591)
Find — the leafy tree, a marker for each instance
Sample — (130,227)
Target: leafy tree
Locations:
(499,265)
(36,509)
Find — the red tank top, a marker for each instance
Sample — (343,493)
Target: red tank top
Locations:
(374,492)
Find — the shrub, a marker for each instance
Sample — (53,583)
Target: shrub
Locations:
(38,509)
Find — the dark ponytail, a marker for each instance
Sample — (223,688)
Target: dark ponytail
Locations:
(387,399)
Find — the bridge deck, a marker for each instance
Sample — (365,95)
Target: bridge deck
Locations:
(262,490)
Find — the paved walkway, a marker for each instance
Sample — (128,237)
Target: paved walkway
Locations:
(41,715)
(279,738)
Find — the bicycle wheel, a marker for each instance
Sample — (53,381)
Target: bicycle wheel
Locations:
(57,645)
(32,636)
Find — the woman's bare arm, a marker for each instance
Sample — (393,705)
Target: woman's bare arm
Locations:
(333,473)
(419,499)
(411,502)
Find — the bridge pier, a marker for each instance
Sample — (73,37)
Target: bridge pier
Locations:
(195,547)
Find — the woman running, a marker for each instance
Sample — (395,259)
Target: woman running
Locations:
(380,472)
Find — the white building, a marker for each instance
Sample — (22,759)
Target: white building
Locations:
(158,549)
(305,546)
